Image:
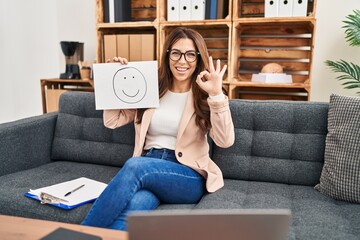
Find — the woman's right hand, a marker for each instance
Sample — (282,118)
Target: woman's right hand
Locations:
(118,59)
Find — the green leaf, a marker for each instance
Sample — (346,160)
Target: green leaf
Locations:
(352,28)
(351,86)
(349,71)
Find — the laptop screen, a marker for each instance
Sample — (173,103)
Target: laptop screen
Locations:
(229,224)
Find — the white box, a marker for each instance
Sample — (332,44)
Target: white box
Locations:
(173,10)
(285,8)
(185,10)
(300,8)
(197,9)
(271,8)
(271,78)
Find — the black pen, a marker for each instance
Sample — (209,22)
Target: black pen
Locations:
(68,193)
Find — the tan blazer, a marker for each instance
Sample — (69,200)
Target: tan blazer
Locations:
(192,148)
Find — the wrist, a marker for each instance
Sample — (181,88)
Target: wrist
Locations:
(217,97)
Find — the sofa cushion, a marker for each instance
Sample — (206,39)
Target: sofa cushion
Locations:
(314,215)
(14,186)
(80,134)
(276,141)
(340,177)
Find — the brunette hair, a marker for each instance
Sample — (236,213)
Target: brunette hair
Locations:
(201,106)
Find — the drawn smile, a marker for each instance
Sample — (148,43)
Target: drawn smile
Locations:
(129,85)
(131,96)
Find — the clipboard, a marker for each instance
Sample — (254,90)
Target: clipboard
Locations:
(55,194)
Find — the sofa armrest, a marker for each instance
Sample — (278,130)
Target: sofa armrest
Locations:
(26,143)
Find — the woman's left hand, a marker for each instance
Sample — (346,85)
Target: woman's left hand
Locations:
(211,81)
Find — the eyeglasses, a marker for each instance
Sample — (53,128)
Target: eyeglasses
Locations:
(190,56)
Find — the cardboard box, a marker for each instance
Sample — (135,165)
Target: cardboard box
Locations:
(147,47)
(122,43)
(142,47)
(135,47)
(110,47)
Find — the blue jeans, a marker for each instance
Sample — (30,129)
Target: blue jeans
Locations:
(141,184)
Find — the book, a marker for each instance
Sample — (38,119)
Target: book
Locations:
(197,10)
(185,10)
(69,194)
(111,11)
(173,10)
(213,9)
(122,10)
(106,11)
(220,9)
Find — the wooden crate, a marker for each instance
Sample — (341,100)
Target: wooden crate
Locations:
(255,8)
(217,39)
(143,10)
(270,93)
(287,43)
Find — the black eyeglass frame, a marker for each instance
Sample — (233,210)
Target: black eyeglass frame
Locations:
(183,53)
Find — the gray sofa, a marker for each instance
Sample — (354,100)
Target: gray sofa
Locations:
(275,162)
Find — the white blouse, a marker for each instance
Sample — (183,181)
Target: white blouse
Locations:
(165,121)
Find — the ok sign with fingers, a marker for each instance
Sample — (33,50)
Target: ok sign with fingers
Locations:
(211,81)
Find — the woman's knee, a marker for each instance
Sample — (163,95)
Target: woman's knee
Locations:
(143,200)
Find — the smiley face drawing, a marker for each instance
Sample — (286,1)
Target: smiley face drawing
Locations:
(129,85)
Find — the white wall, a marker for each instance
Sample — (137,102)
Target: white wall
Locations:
(28,53)
(30,32)
(330,44)
(76,22)
(30,35)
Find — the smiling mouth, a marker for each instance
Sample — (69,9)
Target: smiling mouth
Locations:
(131,96)
(181,69)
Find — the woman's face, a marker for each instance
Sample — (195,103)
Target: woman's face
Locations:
(183,69)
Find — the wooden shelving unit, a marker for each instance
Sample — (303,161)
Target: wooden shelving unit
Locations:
(244,40)
(51,89)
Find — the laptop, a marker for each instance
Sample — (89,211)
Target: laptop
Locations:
(229,224)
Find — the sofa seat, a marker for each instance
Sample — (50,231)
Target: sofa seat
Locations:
(17,184)
(321,216)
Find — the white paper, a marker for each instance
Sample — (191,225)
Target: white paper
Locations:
(91,190)
(130,86)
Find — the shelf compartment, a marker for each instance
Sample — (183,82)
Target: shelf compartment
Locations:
(228,6)
(287,43)
(217,38)
(141,11)
(269,92)
(256,9)
(125,30)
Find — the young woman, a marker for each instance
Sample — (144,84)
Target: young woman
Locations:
(171,162)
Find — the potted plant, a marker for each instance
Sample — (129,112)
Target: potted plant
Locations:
(350,72)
